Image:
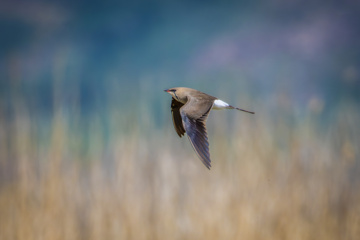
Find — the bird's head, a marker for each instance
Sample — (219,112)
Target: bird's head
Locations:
(178,93)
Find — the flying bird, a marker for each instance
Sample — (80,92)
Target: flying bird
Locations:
(190,109)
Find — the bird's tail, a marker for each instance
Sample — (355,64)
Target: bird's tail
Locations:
(241,109)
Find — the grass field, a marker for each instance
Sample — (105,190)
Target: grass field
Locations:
(283,177)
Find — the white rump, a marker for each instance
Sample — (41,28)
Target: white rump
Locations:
(218,104)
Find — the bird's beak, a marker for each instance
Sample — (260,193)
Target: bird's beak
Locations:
(166,90)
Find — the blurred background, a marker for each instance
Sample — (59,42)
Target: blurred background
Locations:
(87,146)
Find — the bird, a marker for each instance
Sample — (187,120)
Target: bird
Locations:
(190,109)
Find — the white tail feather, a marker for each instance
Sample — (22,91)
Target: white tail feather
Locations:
(219,104)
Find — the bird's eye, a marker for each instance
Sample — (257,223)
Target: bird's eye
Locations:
(173,90)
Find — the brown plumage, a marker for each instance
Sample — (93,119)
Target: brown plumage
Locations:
(190,109)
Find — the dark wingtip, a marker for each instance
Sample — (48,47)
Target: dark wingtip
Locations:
(180,134)
(206,162)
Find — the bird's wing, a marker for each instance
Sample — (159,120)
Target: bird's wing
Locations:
(194,114)
(175,110)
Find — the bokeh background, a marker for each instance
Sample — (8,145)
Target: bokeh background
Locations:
(87,146)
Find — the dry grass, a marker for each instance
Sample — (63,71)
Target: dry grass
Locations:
(270,180)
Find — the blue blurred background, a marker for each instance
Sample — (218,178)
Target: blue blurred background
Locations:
(95,53)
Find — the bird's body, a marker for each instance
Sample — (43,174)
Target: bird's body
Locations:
(190,109)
